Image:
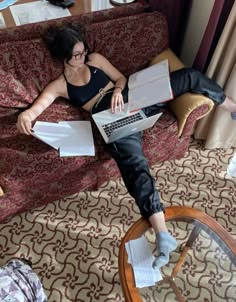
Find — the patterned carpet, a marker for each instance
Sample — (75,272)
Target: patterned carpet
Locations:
(73,243)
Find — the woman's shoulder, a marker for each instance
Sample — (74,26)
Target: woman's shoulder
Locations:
(57,86)
(58,81)
(94,56)
(96,59)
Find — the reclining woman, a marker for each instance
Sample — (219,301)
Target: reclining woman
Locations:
(85,80)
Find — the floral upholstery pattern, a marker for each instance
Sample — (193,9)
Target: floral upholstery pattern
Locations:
(128,39)
(23,76)
(31,172)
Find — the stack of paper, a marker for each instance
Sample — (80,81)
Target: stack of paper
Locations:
(150,86)
(36,11)
(141,259)
(70,138)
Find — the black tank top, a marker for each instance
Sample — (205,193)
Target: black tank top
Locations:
(80,95)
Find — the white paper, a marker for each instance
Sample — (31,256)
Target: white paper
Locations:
(70,138)
(81,142)
(37,11)
(2,21)
(141,259)
(150,73)
(150,86)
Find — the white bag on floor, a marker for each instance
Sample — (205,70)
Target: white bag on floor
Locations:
(19,283)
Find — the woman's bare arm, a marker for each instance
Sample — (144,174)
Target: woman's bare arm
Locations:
(44,100)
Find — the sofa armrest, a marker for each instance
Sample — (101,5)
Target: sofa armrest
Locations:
(184,105)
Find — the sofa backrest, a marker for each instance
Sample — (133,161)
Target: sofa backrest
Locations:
(36,30)
(129,42)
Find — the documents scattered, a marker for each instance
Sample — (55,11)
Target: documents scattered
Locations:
(70,138)
(150,86)
(141,259)
(37,11)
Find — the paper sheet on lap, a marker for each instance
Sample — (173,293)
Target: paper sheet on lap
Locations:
(150,86)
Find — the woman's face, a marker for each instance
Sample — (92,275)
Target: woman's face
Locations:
(78,55)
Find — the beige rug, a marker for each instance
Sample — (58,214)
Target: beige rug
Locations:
(74,242)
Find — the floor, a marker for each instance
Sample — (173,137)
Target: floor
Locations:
(74,242)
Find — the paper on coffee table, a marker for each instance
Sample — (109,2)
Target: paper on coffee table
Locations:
(141,259)
(37,11)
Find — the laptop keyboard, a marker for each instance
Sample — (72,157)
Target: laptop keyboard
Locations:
(110,127)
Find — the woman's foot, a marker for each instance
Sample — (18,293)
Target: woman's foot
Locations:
(230,106)
(233,115)
(165,245)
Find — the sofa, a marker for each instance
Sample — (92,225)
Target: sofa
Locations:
(31,172)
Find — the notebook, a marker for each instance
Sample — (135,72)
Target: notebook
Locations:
(146,87)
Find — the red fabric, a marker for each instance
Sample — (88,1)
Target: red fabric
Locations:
(31,172)
(176,12)
(133,41)
(23,76)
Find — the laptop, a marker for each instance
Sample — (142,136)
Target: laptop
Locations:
(114,126)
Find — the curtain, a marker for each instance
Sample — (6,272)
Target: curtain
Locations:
(220,12)
(218,129)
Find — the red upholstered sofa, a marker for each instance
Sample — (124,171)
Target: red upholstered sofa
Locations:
(31,172)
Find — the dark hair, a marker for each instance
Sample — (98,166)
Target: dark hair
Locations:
(60,41)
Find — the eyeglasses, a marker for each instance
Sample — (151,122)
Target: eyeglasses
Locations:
(78,55)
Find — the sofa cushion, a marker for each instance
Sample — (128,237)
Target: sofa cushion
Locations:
(184,105)
(123,40)
(23,76)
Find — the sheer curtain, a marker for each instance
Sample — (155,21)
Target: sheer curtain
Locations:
(218,129)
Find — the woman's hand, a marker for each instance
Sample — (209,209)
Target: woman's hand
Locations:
(117,101)
(24,123)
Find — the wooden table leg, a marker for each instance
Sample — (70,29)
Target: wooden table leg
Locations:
(192,237)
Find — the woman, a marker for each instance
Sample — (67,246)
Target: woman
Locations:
(91,82)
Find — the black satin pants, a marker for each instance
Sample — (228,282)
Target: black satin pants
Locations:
(128,153)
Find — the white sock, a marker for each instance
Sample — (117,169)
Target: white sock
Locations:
(166,244)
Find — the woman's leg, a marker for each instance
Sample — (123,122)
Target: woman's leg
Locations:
(192,80)
(165,242)
(134,169)
(230,106)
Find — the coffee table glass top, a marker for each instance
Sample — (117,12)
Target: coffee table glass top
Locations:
(204,270)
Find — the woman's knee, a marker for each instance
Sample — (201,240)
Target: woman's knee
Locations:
(193,73)
(127,146)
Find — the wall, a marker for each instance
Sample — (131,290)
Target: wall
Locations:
(196,25)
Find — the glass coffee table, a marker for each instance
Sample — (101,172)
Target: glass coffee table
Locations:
(202,269)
